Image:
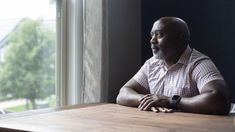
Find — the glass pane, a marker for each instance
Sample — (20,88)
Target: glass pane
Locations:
(27,54)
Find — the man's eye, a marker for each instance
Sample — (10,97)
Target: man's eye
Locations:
(159,35)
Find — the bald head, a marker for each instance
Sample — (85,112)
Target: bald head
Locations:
(177,26)
(169,38)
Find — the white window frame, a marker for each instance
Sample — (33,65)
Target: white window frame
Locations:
(69,55)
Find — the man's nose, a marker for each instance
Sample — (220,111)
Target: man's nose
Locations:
(153,40)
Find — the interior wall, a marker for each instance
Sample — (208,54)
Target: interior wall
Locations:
(124,43)
(212,25)
(112,47)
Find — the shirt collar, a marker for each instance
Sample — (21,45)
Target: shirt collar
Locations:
(184,58)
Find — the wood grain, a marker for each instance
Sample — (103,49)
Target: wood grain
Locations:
(116,118)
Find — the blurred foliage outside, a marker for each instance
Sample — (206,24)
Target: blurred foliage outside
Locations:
(28,68)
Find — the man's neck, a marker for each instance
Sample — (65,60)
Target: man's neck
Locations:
(173,58)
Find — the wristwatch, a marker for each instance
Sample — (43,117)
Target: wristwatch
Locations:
(174,101)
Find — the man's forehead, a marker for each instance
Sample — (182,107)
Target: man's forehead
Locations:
(158,26)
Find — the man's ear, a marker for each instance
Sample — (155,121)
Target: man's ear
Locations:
(181,36)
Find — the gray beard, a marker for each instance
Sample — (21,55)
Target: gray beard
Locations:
(159,55)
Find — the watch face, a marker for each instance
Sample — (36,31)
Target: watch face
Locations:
(174,101)
(175,97)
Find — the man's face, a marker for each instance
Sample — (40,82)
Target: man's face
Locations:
(163,40)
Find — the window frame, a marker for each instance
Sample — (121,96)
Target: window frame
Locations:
(69,55)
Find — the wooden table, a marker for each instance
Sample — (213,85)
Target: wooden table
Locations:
(114,118)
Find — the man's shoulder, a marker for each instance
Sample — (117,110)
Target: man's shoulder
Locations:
(152,61)
(197,56)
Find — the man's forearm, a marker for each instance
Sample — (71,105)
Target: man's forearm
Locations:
(128,97)
(207,103)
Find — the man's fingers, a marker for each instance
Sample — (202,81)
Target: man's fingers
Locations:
(164,110)
(147,107)
(145,104)
(143,97)
(147,101)
(143,101)
(161,109)
(169,110)
(154,109)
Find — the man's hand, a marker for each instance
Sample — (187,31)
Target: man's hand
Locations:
(160,109)
(159,102)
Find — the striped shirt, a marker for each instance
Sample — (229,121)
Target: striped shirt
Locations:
(185,78)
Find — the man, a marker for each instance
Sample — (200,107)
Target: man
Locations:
(176,77)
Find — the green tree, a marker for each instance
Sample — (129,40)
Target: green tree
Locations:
(28,69)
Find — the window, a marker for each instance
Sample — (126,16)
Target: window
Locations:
(28,54)
(41,54)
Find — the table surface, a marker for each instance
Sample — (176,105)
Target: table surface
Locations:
(114,118)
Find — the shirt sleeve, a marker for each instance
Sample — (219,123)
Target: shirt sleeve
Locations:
(204,72)
(142,76)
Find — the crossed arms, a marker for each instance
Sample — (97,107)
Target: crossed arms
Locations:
(213,99)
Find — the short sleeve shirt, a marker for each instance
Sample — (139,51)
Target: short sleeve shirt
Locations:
(185,78)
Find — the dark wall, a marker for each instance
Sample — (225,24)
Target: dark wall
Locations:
(212,26)
(124,43)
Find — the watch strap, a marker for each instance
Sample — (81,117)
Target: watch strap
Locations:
(174,101)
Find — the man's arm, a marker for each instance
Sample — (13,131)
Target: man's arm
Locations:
(213,99)
(130,94)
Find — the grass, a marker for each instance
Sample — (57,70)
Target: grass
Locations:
(19,108)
